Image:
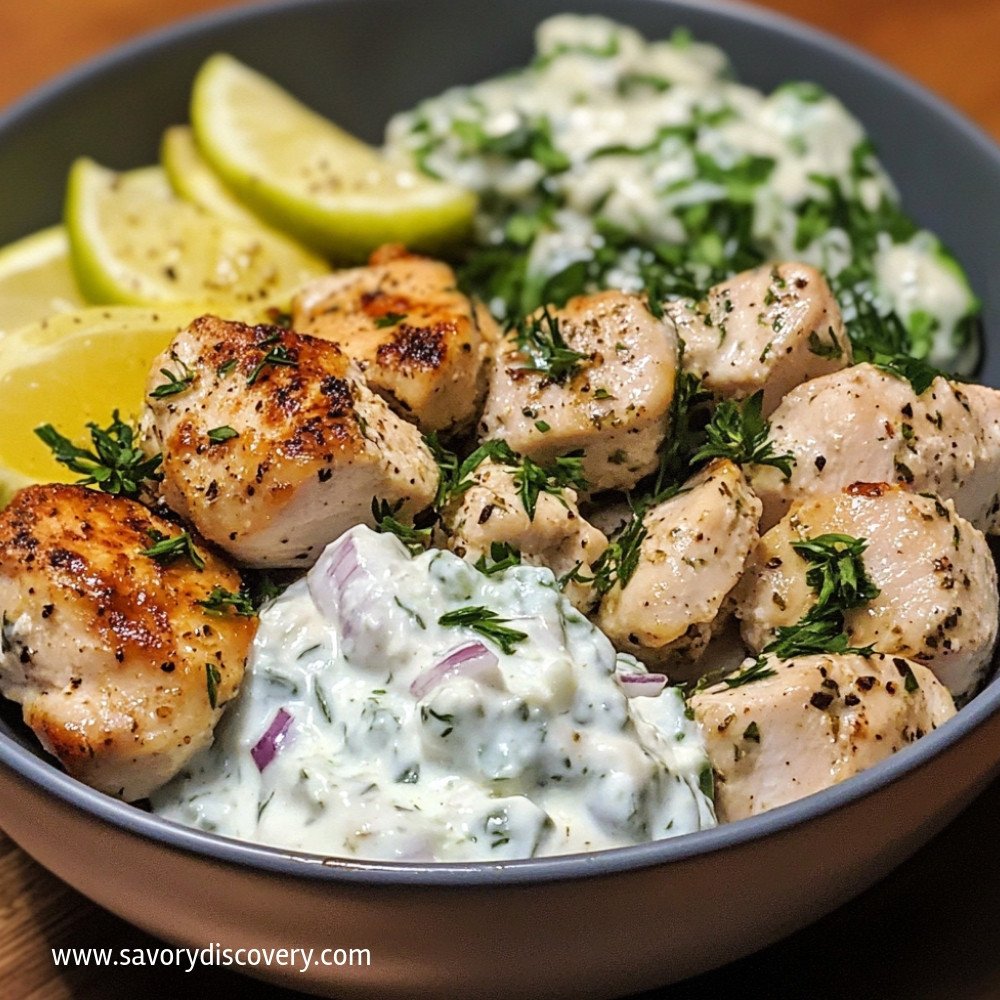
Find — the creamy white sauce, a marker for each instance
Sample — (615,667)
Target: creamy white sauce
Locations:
(598,85)
(537,753)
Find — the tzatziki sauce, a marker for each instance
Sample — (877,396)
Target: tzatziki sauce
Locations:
(369,728)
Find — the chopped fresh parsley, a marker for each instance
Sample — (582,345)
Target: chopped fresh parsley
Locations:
(115,465)
(487,623)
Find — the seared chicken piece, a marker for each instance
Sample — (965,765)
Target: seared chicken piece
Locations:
(771,328)
(273,445)
(491,511)
(811,723)
(119,672)
(613,402)
(693,553)
(415,336)
(938,600)
(865,425)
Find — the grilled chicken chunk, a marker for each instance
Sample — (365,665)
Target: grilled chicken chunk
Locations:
(119,672)
(771,328)
(418,340)
(938,600)
(491,512)
(273,445)
(613,402)
(692,555)
(864,425)
(811,723)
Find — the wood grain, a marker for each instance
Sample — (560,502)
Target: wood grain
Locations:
(931,930)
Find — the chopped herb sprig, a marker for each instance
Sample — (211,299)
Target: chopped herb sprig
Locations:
(741,433)
(540,339)
(841,583)
(487,623)
(502,556)
(416,540)
(220,601)
(166,549)
(114,464)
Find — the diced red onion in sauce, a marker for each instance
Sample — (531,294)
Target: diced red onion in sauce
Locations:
(330,577)
(267,747)
(642,685)
(471,660)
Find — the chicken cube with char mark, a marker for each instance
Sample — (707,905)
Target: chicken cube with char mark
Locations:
(420,342)
(120,670)
(272,443)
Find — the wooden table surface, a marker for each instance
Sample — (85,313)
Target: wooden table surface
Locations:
(931,930)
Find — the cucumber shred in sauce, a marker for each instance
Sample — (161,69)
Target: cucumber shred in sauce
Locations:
(535,751)
(611,161)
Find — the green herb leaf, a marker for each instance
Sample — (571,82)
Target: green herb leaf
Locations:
(277,355)
(219,434)
(533,479)
(220,601)
(503,555)
(165,549)
(916,371)
(176,383)
(740,433)
(487,623)
(416,540)
(389,319)
(841,583)
(115,464)
(832,348)
(212,680)
(755,671)
(540,338)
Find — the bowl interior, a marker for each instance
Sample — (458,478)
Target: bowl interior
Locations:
(359,61)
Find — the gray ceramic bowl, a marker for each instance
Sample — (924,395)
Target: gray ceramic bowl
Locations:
(590,925)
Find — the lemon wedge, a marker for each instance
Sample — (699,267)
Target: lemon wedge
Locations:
(134,242)
(70,369)
(36,279)
(194,180)
(311,179)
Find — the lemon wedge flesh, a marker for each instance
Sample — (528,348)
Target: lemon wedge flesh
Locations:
(71,369)
(311,179)
(134,242)
(36,279)
(194,180)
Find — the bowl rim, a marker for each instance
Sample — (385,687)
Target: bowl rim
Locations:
(47,778)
